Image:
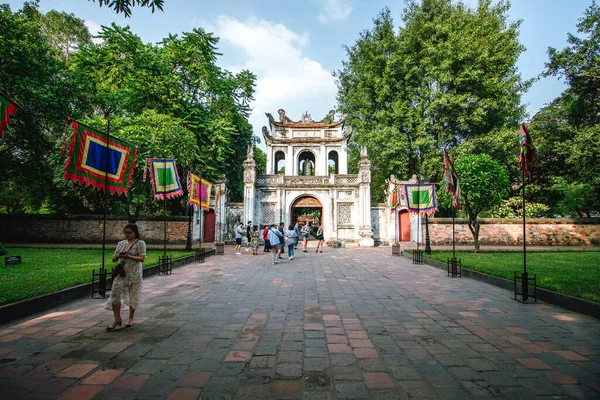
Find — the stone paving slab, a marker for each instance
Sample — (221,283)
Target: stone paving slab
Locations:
(352,323)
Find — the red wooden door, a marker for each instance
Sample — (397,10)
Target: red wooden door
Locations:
(209,226)
(404,222)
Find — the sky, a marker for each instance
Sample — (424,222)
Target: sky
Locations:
(293,46)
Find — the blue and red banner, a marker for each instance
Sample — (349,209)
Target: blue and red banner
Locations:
(100,160)
(164,178)
(451,182)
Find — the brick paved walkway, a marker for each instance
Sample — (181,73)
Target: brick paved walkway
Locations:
(348,323)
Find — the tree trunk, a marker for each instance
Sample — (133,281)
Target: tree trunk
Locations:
(474,228)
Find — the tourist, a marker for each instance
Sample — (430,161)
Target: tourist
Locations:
(248,236)
(297,230)
(238,239)
(320,238)
(305,233)
(127,282)
(291,237)
(254,240)
(275,238)
(266,239)
(282,243)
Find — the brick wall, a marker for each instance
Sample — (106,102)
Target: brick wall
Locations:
(85,229)
(501,231)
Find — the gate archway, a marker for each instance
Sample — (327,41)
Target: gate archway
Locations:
(306,209)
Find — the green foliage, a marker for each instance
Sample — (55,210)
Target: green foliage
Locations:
(124,6)
(3,250)
(483,183)
(513,208)
(447,77)
(571,273)
(567,130)
(171,99)
(47,270)
(260,158)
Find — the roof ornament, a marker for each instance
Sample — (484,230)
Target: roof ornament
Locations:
(363,152)
(329,118)
(306,118)
(250,152)
(270,117)
(282,117)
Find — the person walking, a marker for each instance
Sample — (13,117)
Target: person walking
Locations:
(282,242)
(248,236)
(254,240)
(291,237)
(320,238)
(305,233)
(238,238)
(275,237)
(297,230)
(127,283)
(266,239)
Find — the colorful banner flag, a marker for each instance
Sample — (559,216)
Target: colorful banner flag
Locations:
(527,151)
(98,159)
(421,198)
(395,198)
(164,178)
(199,191)
(451,182)
(7,108)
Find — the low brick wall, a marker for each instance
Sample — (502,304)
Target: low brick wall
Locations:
(85,229)
(503,231)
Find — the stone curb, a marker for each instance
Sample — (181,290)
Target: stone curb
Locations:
(34,305)
(582,306)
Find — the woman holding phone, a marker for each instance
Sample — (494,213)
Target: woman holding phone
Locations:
(127,282)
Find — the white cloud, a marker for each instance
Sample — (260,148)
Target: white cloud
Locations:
(94,28)
(334,10)
(285,77)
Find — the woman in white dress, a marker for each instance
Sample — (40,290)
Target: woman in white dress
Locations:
(127,289)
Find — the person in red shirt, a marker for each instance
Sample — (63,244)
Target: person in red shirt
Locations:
(266,239)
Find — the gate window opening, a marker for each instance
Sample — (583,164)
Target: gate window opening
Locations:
(332,163)
(279,162)
(306,163)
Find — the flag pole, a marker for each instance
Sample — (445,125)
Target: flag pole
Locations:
(453,235)
(525,277)
(106,154)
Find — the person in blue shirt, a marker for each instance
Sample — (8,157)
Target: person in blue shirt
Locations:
(238,238)
(275,238)
(297,230)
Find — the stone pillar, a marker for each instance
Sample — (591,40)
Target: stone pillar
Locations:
(289,161)
(221,212)
(249,186)
(364,200)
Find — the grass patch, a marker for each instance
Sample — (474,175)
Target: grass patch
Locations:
(574,274)
(47,270)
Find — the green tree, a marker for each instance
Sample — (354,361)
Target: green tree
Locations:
(568,129)
(32,75)
(65,32)
(124,6)
(483,183)
(447,77)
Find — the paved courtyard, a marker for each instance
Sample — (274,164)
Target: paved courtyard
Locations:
(347,323)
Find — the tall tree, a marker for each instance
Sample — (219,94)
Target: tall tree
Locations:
(124,6)
(569,127)
(448,76)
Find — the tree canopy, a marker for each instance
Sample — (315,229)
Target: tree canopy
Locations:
(446,77)
(171,99)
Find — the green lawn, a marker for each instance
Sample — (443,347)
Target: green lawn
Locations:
(575,274)
(46,270)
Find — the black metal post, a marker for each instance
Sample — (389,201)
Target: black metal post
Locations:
(525,278)
(427,242)
(453,237)
(102,283)
(188,240)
